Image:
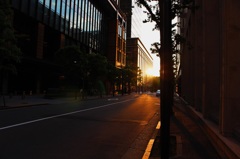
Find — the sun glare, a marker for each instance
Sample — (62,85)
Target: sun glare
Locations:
(153,71)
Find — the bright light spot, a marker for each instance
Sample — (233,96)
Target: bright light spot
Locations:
(153,71)
(156,67)
(149,71)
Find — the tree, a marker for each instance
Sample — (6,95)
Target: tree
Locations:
(161,15)
(10,54)
(73,62)
(130,77)
(97,69)
(112,74)
(139,80)
(97,66)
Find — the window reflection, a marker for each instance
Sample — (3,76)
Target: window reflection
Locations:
(47,3)
(80,19)
(62,15)
(53,5)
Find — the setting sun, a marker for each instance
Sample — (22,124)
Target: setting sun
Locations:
(153,72)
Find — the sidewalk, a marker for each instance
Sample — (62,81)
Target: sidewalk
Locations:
(18,101)
(34,100)
(191,137)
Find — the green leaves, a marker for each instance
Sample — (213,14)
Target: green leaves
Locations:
(73,62)
(97,65)
(10,54)
(78,65)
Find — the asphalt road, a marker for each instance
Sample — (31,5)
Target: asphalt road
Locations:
(111,128)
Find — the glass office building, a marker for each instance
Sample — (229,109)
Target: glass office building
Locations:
(45,26)
(80,20)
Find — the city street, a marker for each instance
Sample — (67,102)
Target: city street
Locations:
(116,127)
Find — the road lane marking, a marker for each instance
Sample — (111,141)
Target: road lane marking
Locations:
(60,115)
(158,125)
(148,150)
(112,99)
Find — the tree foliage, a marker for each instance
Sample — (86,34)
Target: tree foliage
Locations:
(97,66)
(81,68)
(73,63)
(10,54)
(153,15)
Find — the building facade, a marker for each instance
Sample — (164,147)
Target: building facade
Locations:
(138,57)
(45,26)
(210,67)
(137,54)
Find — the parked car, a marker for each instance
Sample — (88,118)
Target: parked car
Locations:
(158,93)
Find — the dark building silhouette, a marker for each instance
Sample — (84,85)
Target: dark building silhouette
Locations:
(210,70)
(45,26)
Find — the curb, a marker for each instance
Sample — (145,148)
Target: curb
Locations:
(22,106)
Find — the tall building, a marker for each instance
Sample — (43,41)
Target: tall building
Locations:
(137,54)
(45,26)
(138,57)
(210,68)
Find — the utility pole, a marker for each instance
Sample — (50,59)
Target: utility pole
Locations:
(166,76)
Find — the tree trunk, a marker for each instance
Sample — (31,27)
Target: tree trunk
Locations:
(166,77)
(4,81)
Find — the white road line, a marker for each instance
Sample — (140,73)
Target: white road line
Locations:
(147,153)
(158,125)
(113,99)
(55,116)
(148,149)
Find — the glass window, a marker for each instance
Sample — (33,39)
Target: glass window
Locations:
(47,3)
(40,10)
(97,28)
(87,22)
(90,17)
(90,21)
(63,8)
(94,28)
(58,11)
(67,18)
(100,29)
(79,19)
(63,15)
(76,18)
(83,22)
(72,10)
(53,5)
(46,11)
(58,7)
(52,13)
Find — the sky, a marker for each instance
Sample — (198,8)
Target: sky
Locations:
(145,32)
(148,38)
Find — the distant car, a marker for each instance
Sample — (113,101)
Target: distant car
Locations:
(158,93)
